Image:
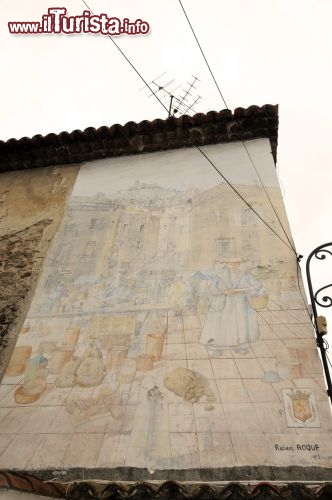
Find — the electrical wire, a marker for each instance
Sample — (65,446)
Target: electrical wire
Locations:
(205,59)
(242,198)
(244,145)
(198,147)
(130,63)
(268,196)
(290,245)
(305,302)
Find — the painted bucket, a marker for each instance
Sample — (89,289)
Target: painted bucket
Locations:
(154,345)
(116,356)
(71,337)
(127,371)
(145,362)
(19,360)
(60,357)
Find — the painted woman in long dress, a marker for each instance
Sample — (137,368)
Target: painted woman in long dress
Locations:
(231,322)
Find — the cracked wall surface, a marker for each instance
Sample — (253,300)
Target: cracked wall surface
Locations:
(31,207)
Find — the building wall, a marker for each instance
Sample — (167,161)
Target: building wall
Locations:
(167,330)
(31,208)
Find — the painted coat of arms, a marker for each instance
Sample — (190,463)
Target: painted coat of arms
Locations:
(300,408)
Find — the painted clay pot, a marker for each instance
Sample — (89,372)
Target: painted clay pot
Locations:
(19,360)
(116,356)
(71,337)
(60,356)
(154,345)
(127,371)
(145,362)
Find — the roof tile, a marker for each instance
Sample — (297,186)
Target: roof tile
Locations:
(89,490)
(145,136)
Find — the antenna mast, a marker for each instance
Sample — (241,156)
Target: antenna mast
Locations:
(181,104)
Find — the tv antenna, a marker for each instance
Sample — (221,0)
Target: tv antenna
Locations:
(180,100)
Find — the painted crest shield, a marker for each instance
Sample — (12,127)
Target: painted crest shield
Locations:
(301,407)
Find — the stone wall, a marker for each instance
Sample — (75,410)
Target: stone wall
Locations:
(31,207)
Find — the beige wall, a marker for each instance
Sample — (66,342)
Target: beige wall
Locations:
(167,330)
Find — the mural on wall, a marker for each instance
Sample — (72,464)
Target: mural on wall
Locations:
(167,330)
(231,320)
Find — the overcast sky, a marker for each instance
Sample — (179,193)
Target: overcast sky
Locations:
(261,51)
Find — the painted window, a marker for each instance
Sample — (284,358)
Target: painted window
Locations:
(223,216)
(89,249)
(223,248)
(248,217)
(96,223)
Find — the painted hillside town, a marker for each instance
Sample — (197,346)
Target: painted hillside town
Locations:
(166,315)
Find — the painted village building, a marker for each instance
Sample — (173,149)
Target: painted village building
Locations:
(154,340)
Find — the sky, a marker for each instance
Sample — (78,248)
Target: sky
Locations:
(260,51)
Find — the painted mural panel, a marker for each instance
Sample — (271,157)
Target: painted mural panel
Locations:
(167,330)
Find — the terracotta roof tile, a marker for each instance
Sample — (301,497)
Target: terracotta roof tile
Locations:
(146,136)
(106,490)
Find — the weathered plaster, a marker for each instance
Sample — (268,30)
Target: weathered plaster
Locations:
(165,330)
(31,207)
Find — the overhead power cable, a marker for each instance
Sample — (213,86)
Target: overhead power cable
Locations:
(198,147)
(268,196)
(242,198)
(200,48)
(130,63)
(305,302)
(244,145)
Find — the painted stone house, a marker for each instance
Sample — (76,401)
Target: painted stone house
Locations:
(152,324)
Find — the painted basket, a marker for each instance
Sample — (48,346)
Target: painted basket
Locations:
(258,302)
